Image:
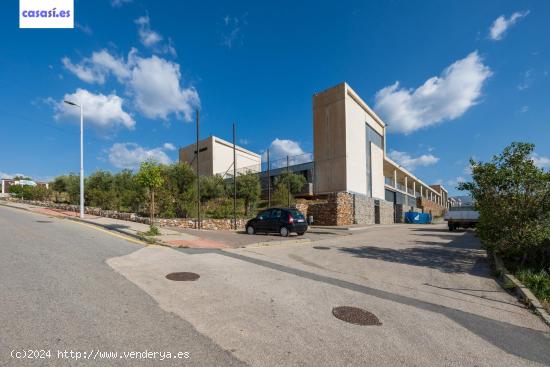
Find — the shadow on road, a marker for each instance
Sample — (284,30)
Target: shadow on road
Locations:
(461,255)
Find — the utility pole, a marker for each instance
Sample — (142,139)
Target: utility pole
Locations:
(81,156)
(268,182)
(198,179)
(234,180)
(287,183)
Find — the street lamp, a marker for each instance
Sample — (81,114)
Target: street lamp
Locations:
(81,157)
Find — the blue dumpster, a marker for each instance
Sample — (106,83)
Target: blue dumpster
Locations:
(418,218)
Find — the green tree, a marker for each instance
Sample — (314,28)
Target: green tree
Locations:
(212,187)
(249,189)
(99,190)
(130,195)
(513,199)
(69,184)
(177,196)
(29,192)
(150,177)
(59,184)
(287,185)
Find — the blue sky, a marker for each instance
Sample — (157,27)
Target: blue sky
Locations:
(453,79)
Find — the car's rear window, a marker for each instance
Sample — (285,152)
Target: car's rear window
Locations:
(296,214)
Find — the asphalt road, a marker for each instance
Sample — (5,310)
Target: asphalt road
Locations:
(57,293)
(67,286)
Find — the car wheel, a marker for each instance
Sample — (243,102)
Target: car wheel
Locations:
(301,233)
(284,232)
(250,230)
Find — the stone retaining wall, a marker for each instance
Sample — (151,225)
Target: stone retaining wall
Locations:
(207,223)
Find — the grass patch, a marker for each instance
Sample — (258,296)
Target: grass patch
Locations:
(153,231)
(538,282)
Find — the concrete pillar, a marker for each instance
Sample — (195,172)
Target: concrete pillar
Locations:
(414,188)
(421,191)
(395,179)
(406,184)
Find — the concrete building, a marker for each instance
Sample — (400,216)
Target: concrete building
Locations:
(350,179)
(350,157)
(216,157)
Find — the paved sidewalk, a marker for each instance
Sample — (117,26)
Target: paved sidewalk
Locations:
(167,237)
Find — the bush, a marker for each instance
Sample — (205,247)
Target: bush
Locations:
(538,282)
(513,199)
(28,192)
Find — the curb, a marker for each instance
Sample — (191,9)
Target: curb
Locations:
(134,236)
(520,290)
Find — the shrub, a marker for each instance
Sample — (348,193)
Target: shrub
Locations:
(513,199)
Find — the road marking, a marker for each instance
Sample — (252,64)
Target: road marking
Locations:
(73,220)
(121,236)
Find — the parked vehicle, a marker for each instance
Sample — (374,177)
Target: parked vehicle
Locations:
(461,216)
(278,220)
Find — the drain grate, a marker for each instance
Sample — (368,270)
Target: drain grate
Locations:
(43,221)
(183,277)
(321,248)
(355,315)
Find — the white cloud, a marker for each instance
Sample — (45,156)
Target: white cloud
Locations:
(439,99)
(106,63)
(153,39)
(232,30)
(84,28)
(541,161)
(119,3)
(501,24)
(83,72)
(453,183)
(96,68)
(130,155)
(169,146)
(410,163)
(11,175)
(104,111)
(153,83)
(279,149)
(527,80)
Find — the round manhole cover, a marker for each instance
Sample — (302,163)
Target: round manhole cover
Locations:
(355,315)
(321,248)
(181,277)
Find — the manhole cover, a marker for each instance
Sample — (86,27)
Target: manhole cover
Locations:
(321,248)
(44,221)
(180,277)
(355,315)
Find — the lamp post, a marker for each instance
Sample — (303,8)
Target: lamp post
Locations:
(81,157)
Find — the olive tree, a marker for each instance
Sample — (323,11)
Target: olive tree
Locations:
(150,177)
(248,189)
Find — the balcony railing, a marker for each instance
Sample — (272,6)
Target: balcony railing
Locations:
(388,181)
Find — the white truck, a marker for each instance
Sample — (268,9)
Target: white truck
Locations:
(461,216)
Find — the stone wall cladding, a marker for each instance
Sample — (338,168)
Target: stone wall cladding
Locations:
(364,209)
(207,223)
(429,206)
(344,209)
(386,212)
